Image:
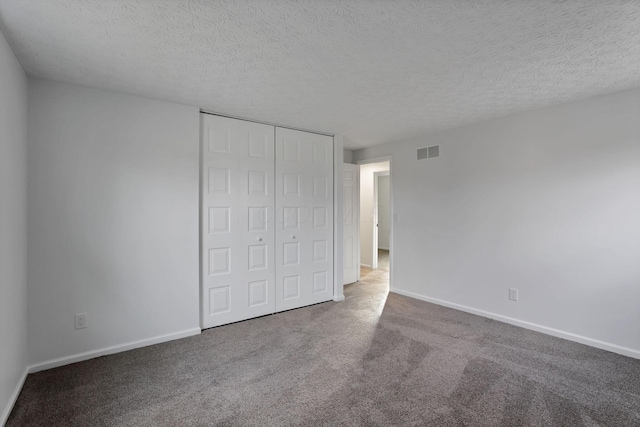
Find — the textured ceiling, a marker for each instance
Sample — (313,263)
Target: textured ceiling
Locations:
(373,71)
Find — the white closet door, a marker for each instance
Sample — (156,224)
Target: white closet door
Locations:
(304,222)
(238,236)
(351,222)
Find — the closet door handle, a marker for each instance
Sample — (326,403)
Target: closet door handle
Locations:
(259,239)
(293,237)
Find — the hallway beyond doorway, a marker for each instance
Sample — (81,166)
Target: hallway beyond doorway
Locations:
(379,276)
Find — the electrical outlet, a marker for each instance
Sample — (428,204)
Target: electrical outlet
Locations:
(81,320)
(513,294)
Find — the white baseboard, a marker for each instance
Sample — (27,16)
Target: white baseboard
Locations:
(338,298)
(625,351)
(54,363)
(384,249)
(14,397)
(365,265)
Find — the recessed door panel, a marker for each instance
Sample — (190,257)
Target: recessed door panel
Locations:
(258,293)
(219,261)
(219,220)
(320,251)
(320,282)
(258,183)
(219,181)
(347,205)
(290,287)
(260,146)
(219,300)
(348,253)
(291,254)
(257,257)
(291,184)
(291,220)
(320,217)
(258,218)
(218,140)
(322,154)
(320,187)
(291,149)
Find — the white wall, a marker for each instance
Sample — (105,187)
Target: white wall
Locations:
(113,221)
(13,234)
(384,212)
(547,202)
(367,210)
(347,155)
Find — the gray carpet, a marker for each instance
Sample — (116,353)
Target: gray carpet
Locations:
(370,360)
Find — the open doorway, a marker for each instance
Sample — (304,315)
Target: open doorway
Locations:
(382,233)
(375,219)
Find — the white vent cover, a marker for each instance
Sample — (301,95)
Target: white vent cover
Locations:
(429,152)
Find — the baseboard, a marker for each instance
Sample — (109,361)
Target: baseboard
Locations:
(625,351)
(384,249)
(338,298)
(365,266)
(54,363)
(13,398)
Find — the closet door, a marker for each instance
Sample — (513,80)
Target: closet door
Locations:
(304,221)
(238,236)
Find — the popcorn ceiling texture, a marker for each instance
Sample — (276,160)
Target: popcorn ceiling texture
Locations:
(373,71)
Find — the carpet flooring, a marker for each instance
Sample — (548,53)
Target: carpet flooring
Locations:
(370,360)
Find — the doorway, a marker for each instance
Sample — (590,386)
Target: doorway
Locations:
(376,219)
(382,233)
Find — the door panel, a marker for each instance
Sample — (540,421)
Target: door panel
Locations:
(304,225)
(350,222)
(238,222)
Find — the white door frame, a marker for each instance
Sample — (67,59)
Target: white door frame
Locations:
(393,216)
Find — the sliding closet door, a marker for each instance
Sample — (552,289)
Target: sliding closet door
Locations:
(238,238)
(304,222)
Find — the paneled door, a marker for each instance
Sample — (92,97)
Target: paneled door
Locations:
(304,219)
(237,220)
(351,221)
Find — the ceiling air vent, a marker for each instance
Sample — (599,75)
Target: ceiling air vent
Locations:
(429,152)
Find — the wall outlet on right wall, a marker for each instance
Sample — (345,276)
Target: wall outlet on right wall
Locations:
(81,321)
(513,294)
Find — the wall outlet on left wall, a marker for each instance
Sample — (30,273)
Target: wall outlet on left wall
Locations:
(81,320)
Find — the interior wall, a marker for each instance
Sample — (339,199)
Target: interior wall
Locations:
(384,211)
(347,156)
(367,207)
(113,221)
(13,234)
(547,202)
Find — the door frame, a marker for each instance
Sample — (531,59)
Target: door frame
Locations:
(393,219)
